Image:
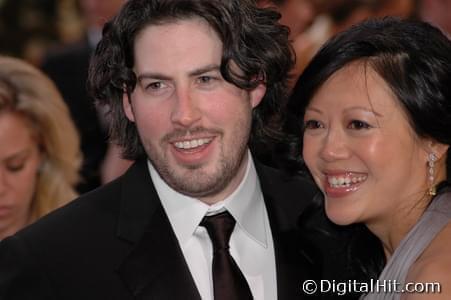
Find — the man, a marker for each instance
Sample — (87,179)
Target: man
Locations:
(189,84)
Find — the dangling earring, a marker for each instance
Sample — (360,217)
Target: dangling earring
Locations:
(432,158)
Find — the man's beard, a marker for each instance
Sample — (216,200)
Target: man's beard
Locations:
(191,180)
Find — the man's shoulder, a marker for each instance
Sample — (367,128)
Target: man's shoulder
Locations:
(96,213)
(287,196)
(284,183)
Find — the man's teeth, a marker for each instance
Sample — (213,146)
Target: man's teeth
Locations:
(344,181)
(192,144)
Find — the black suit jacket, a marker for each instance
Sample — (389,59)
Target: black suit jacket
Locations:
(117,243)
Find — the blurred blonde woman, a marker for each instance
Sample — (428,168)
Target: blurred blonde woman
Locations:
(39,147)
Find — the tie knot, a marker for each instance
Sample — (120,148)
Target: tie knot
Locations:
(219,228)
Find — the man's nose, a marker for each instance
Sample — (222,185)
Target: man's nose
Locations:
(186,111)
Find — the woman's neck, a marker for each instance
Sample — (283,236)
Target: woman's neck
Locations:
(392,229)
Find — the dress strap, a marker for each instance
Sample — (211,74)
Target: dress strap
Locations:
(434,219)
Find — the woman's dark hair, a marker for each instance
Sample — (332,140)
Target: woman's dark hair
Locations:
(251,38)
(414,60)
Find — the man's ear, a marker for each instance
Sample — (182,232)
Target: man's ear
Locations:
(256,95)
(127,105)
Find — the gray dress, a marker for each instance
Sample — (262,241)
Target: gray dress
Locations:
(435,218)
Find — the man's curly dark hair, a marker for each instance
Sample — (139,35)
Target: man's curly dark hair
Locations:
(252,40)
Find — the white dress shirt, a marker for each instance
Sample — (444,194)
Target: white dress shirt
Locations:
(251,243)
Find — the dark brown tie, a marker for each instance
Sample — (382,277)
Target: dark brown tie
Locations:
(228,281)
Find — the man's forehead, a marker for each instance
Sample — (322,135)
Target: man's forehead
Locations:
(183,45)
(170,23)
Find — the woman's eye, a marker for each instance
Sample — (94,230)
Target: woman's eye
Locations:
(15,168)
(312,124)
(356,124)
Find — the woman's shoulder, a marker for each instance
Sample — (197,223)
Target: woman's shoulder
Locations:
(433,269)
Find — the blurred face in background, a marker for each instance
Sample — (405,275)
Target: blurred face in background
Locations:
(436,12)
(97,12)
(20,159)
(296,14)
(398,8)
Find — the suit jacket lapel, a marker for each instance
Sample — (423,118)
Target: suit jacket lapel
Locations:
(155,267)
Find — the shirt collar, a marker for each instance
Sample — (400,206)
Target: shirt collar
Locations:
(245,204)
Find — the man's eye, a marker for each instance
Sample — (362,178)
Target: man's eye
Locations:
(312,124)
(356,124)
(155,85)
(205,79)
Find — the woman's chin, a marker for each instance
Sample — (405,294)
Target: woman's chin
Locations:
(340,216)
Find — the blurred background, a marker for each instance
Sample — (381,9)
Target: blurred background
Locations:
(30,28)
(58,36)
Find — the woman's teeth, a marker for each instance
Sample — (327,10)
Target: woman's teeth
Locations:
(345,181)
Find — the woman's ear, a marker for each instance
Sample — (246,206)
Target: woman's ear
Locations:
(437,148)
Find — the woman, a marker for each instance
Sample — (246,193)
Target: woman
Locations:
(375,108)
(39,147)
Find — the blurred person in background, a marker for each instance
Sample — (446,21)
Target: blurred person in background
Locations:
(95,14)
(436,12)
(39,147)
(312,22)
(334,16)
(297,15)
(68,67)
(28,28)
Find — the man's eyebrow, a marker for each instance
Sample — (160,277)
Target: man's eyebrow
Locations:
(202,70)
(193,73)
(152,75)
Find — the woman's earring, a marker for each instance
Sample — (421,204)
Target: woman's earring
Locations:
(432,158)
